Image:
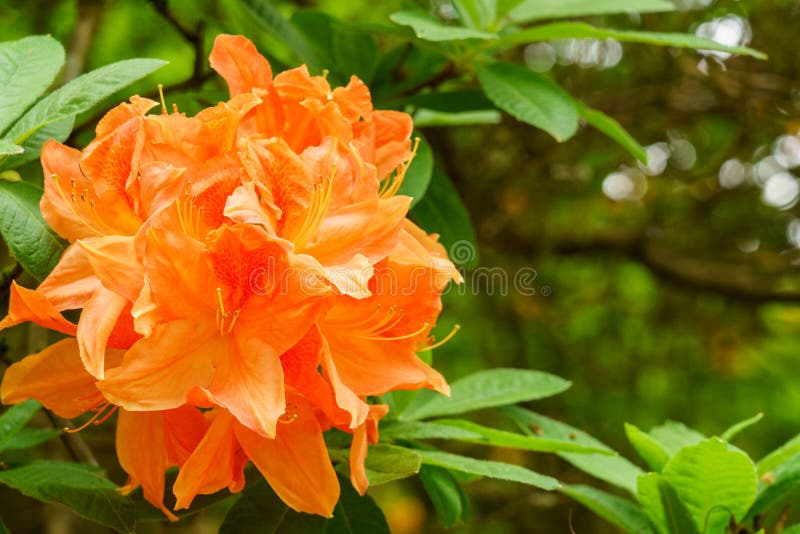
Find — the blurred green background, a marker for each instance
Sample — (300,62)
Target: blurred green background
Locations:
(662,292)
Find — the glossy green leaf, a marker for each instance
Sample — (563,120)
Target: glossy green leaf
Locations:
(733,430)
(714,481)
(355,514)
(272,20)
(429,28)
(33,145)
(612,129)
(441,211)
(530,10)
(446,494)
(776,486)
(674,436)
(419,173)
(7,148)
(782,454)
(488,468)
(81,487)
(30,437)
(661,504)
(28,67)
(616,510)
(651,451)
(28,237)
(78,96)
(259,509)
(14,419)
(530,98)
(615,470)
(416,430)
(581,30)
(512,440)
(486,389)
(386,463)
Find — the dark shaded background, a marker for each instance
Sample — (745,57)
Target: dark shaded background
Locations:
(662,293)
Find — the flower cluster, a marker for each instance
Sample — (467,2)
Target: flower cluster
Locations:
(247,279)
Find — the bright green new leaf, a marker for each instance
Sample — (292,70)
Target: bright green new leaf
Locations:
(674,436)
(651,451)
(428,28)
(530,98)
(530,10)
(78,96)
(615,470)
(612,129)
(28,67)
(512,440)
(783,453)
(81,487)
(581,30)
(661,504)
(445,492)
(772,489)
(7,148)
(385,463)
(419,173)
(258,509)
(28,237)
(714,480)
(14,419)
(488,468)
(486,389)
(355,514)
(731,432)
(425,118)
(441,211)
(621,512)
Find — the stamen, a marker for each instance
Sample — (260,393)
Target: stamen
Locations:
(398,338)
(317,208)
(447,338)
(233,321)
(161,96)
(391,185)
(221,304)
(174,107)
(72,201)
(96,418)
(290,415)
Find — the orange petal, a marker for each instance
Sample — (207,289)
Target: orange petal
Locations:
(55,377)
(72,283)
(345,398)
(184,428)
(28,305)
(295,463)
(212,465)
(366,432)
(236,59)
(141,453)
(392,144)
(114,261)
(97,321)
(159,371)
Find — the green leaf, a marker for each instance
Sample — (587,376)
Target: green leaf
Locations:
(33,145)
(386,463)
(531,10)
(429,28)
(79,486)
(714,481)
(486,389)
(425,118)
(441,211)
(14,419)
(30,437)
(7,148)
(79,95)
(418,175)
(445,492)
(530,98)
(615,470)
(415,430)
(772,489)
(27,68)
(449,101)
(355,514)
(674,436)
(272,20)
(581,30)
(783,453)
(661,504)
(621,512)
(147,512)
(731,432)
(3,528)
(488,468)
(259,509)
(28,237)
(355,53)
(649,449)
(612,129)
(512,440)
